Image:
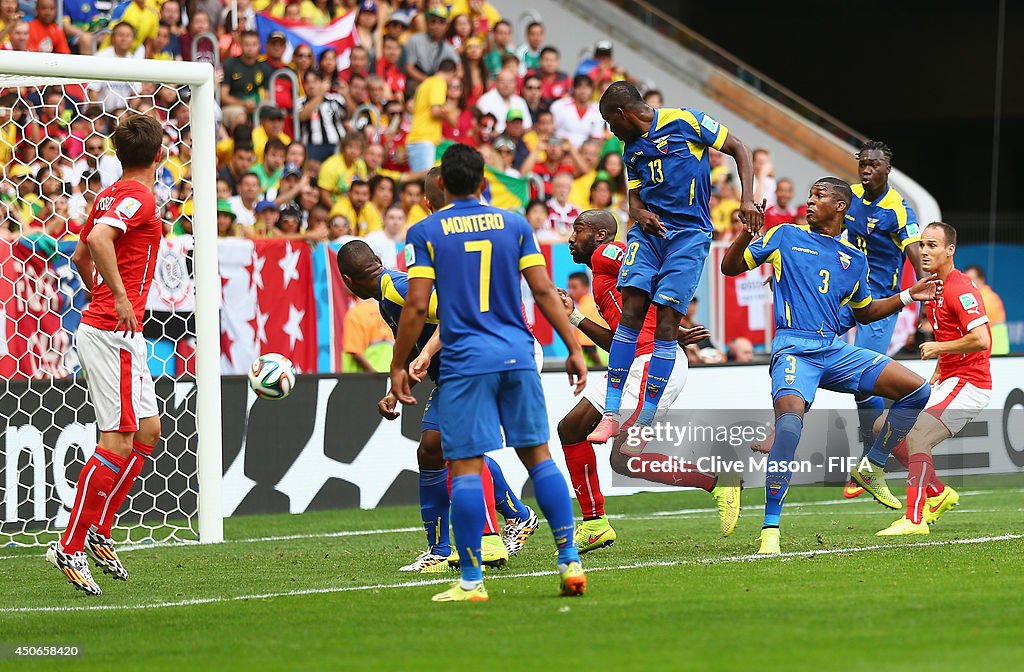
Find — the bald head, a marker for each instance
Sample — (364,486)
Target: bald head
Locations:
(356,259)
(600,220)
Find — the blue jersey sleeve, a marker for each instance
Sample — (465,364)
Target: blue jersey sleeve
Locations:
(419,254)
(696,126)
(861,294)
(766,248)
(907,229)
(529,251)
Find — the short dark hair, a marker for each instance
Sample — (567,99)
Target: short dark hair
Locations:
(877,145)
(949,233)
(581,79)
(357,182)
(838,187)
(248,33)
(502,22)
(462,168)
(447,65)
(137,141)
(548,50)
(534,24)
(532,76)
(353,138)
(249,174)
(405,186)
(353,257)
(376,180)
(621,94)
(536,203)
(978,270)
(123,23)
(653,92)
(314,72)
(274,143)
(581,276)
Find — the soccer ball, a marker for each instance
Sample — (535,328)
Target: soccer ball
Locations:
(272,376)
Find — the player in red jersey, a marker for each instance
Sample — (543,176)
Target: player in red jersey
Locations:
(961,384)
(116,257)
(593,243)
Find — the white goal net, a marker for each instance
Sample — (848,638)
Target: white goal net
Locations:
(56,117)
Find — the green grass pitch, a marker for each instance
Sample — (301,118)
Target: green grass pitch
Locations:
(320,591)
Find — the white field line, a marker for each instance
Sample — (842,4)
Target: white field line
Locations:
(430,582)
(654,515)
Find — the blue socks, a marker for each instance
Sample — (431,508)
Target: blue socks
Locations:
(505,501)
(553,497)
(620,358)
(434,506)
(868,411)
(776,483)
(658,372)
(902,416)
(468,516)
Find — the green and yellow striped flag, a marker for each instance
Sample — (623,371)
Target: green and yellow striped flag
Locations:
(509,193)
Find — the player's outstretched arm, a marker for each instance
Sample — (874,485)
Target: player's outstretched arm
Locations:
(101,248)
(927,288)
(414,315)
(734,263)
(551,306)
(750,215)
(647,220)
(601,336)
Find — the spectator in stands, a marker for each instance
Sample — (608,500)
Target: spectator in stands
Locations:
(293,183)
(430,108)
(277,45)
(296,154)
(245,78)
(369,29)
(358,64)
(170,13)
(604,69)
(302,60)
(387,241)
(577,118)
(535,103)
(388,67)
(327,64)
(615,171)
(322,117)
(271,126)
(316,222)
(226,220)
(537,216)
(556,162)
(740,350)
(784,210)
(465,125)
(723,204)
(579,291)
(142,16)
(10,16)
(425,52)
(993,308)
(459,31)
(44,35)
(764,177)
(366,339)
(502,98)
(396,27)
(95,159)
(340,170)
(528,53)
(320,12)
(382,192)
(80,203)
(502,156)
(482,15)
(358,210)
(474,72)
(244,204)
(586,159)
(734,229)
(601,198)
(357,96)
(410,197)
(114,95)
(501,39)
(241,162)
(199,23)
(289,223)
(654,98)
(267,215)
(339,232)
(561,212)
(554,83)
(159,48)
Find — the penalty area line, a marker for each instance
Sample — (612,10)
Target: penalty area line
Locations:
(432,582)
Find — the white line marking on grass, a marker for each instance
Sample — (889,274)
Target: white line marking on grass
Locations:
(432,582)
(654,515)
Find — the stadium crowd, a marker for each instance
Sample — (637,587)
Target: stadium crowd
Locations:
(318,144)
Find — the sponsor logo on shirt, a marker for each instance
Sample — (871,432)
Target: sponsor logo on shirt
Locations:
(410,256)
(662,144)
(804,250)
(871,224)
(913,229)
(613,252)
(969,302)
(844,259)
(710,124)
(128,207)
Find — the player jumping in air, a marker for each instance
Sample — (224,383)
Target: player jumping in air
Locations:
(593,243)
(885,228)
(669,172)
(116,257)
(960,387)
(816,274)
(488,379)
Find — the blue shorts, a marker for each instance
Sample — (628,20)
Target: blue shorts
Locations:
(803,361)
(475,409)
(667,269)
(876,336)
(431,419)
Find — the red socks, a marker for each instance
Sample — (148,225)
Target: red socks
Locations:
(123,485)
(651,467)
(487,483)
(95,486)
(582,463)
(934,486)
(919,476)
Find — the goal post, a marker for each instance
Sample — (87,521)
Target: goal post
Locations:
(29,69)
